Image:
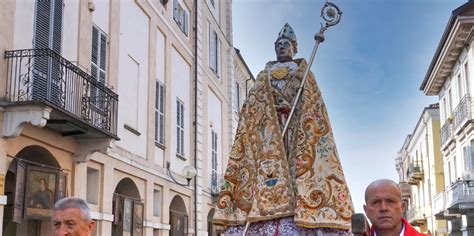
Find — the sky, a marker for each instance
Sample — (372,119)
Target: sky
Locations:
(369,70)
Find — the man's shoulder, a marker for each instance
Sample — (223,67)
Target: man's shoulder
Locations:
(410,230)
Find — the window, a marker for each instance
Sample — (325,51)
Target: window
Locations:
(214,45)
(156,202)
(214,161)
(449,174)
(470,157)
(450,102)
(180,127)
(98,64)
(466,77)
(455,172)
(180,16)
(160,113)
(92,185)
(237,96)
(460,88)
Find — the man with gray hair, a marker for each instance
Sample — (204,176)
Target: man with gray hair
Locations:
(71,216)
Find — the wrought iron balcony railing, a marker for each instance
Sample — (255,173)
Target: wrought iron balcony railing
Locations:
(43,75)
(462,112)
(446,132)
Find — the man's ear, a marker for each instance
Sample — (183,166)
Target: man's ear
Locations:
(365,209)
(92,226)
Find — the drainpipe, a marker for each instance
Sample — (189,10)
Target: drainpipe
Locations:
(195,112)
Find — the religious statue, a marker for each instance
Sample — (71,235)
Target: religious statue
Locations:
(284,184)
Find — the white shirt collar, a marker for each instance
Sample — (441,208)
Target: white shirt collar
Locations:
(402,233)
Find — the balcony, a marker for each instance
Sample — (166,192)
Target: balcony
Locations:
(79,105)
(446,133)
(405,188)
(416,217)
(462,113)
(415,172)
(460,197)
(439,203)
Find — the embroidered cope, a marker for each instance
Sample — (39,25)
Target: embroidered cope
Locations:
(300,176)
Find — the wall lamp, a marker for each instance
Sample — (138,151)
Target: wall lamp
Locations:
(188,172)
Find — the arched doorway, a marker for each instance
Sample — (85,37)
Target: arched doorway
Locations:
(34,182)
(128,210)
(178,217)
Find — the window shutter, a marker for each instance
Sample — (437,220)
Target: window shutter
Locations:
(57,25)
(41,41)
(159,113)
(55,94)
(182,128)
(137,220)
(19,193)
(161,110)
(212,49)
(175,11)
(117,208)
(185,22)
(178,122)
(218,56)
(95,46)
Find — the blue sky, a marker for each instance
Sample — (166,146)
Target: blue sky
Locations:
(369,70)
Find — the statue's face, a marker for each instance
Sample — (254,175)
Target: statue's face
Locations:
(284,50)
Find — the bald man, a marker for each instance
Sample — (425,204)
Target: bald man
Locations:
(384,208)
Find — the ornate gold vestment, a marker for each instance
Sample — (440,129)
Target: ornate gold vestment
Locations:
(265,181)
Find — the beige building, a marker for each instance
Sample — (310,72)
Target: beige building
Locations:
(449,77)
(110,101)
(420,168)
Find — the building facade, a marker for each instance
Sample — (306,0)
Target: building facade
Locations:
(449,77)
(420,168)
(116,102)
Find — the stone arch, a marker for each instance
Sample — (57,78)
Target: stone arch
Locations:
(178,216)
(127,187)
(128,209)
(31,165)
(39,155)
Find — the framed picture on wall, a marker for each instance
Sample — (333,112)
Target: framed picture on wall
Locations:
(40,192)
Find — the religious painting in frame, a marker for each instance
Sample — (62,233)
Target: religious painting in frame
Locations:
(40,192)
